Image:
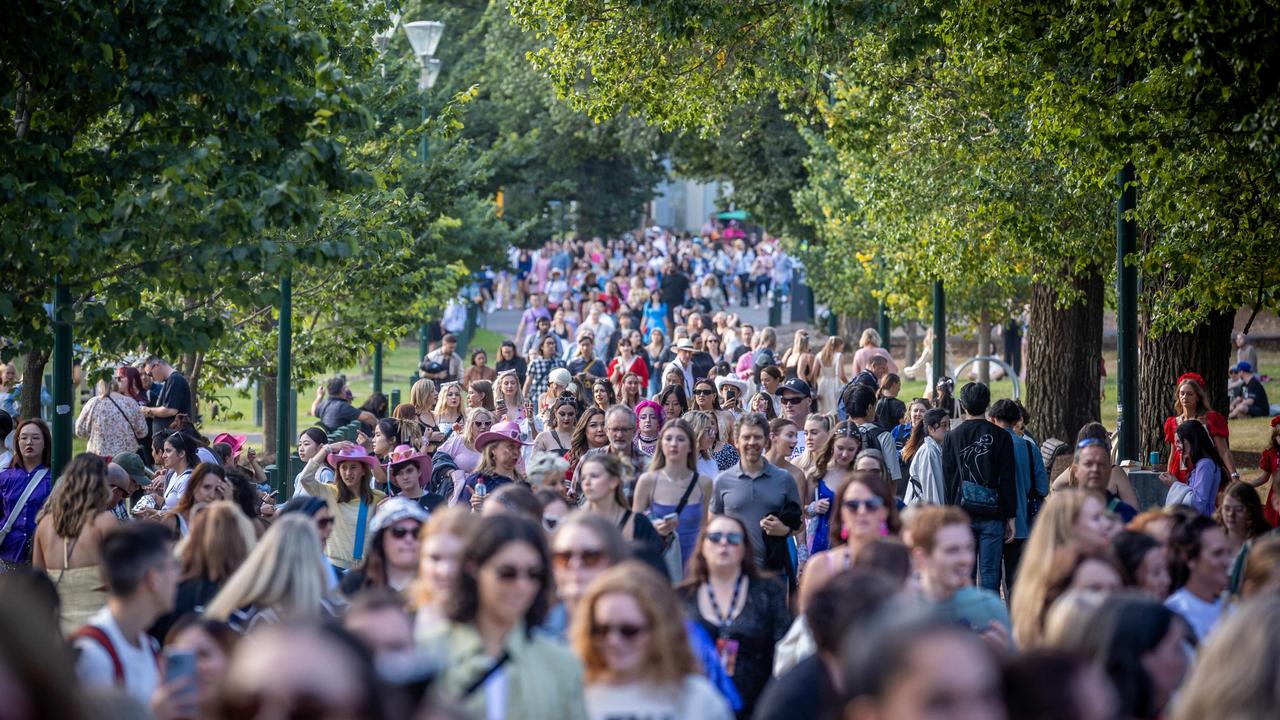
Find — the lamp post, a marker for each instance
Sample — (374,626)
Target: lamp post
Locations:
(424,36)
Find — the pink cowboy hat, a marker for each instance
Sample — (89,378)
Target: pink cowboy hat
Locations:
(505,431)
(355,454)
(406,454)
(235,441)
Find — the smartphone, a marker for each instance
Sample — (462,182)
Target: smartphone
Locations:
(180,668)
(671,517)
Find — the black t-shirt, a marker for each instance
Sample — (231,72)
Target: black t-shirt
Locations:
(674,287)
(337,412)
(804,691)
(175,394)
(738,352)
(1254,389)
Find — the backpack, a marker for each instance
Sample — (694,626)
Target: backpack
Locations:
(99,636)
(871,434)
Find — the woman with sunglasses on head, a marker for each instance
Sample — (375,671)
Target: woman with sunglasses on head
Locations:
(673,493)
(602,394)
(461,446)
(601,481)
(635,652)
(833,462)
(449,410)
(423,396)
(392,561)
(583,546)
(649,419)
(866,512)
(743,610)
(558,437)
(497,664)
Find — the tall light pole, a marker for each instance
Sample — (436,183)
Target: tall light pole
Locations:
(424,36)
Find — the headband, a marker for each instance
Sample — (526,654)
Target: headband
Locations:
(1193,377)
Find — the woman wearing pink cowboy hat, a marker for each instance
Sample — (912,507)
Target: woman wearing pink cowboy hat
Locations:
(499,449)
(408,473)
(352,499)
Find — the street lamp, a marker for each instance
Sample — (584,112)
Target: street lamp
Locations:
(424,36)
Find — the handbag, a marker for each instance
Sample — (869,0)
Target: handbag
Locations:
(975,497)
(672,556)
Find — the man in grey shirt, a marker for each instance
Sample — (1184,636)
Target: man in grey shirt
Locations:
(755,491)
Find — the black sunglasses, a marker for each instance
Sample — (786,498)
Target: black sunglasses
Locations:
(871,504)
(626,630)
(400,533)
(733,538)
(704,391)
(509,573)
(325,522)
(792,400)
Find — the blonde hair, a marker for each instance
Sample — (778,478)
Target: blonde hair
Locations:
(1202,398)
(497,389)
(443,397)
(870,338)
(285,572)
(1054,529)
(1069,617)
(699,421)
(1262,562)
(669,660)
(221,538)
(1232,677)
(833,345)
(469,433)
(420,391)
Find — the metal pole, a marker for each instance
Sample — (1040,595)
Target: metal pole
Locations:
(1126,317)
(423,149)
(377,367)
(884,326)
(284,363)
(939,331)
(61,379)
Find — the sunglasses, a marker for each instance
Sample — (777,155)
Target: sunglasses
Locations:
(401,533)
(733,538)
(483,423)
(550,522)
(325,522)
(871,504)
(586,558)
(510,573)
(704,391)
(626,630)
(791,400)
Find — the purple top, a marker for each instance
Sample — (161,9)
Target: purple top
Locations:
(530,319)
(12,482)
(1204,481)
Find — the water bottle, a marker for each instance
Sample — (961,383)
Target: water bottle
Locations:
(481,489)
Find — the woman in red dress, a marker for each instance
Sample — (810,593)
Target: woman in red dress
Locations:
(1193,404)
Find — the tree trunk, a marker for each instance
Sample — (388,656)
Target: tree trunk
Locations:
(911,342)
(32,380)
(268,382)
(1064,351)
(984,346)
(851,327)
(1205,349)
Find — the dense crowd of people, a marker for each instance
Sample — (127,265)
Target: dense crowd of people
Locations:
(639,507)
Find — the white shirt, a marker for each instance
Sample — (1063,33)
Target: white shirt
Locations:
(173,491)
(94,666)
(694,698)
(1200,615)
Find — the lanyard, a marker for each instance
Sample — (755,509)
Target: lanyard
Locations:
(357,551)
(724,619)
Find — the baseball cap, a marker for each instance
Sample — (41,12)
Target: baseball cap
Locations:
(795,385)
(133,465)
(1244,366)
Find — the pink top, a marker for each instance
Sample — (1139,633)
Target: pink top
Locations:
(466,458)
(863,355)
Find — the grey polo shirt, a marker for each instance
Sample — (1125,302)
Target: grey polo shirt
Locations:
(750,499)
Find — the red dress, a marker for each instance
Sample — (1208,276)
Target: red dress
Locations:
(1217,426)
(1268,463)
(637,367)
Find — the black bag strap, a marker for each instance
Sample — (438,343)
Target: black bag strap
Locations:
(484,678)
(684,499)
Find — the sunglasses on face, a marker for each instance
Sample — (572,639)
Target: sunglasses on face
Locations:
(401,533)
(590,558)
(704,391)
(626,630)
(510,573)
(794,400)
(483,423)
(871,504)
(325,522)
(733,538)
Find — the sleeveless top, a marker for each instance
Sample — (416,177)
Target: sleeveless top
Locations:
(687,526)
(820,525)
(79,590)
